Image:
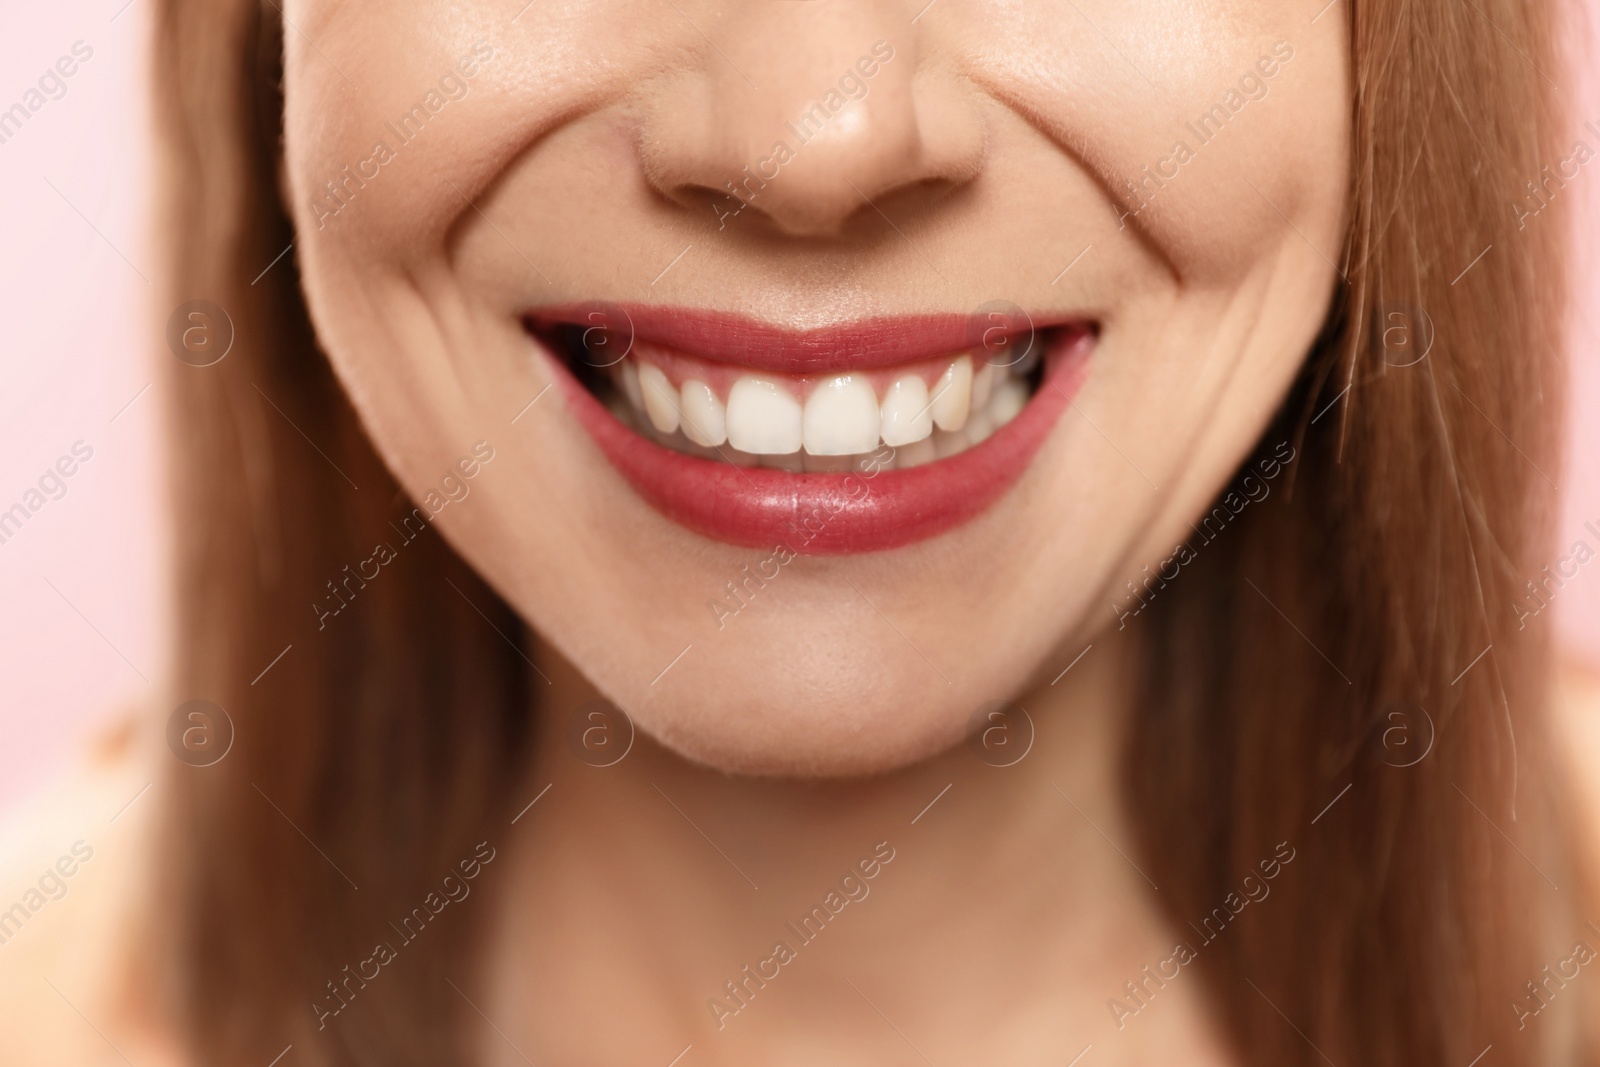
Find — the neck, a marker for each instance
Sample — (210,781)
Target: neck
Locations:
(954,901)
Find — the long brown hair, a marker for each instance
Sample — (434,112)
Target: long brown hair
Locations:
(1373,594)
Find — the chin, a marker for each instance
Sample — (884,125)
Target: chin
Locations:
(820,717)
(828,738)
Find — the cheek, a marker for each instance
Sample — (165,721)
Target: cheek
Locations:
(1278,163)
(1150,101)
(368,82)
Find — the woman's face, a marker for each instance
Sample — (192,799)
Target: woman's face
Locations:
(840,361)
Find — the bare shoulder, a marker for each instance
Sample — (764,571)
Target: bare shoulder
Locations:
(1575,726)
(72,862)
(1576,707)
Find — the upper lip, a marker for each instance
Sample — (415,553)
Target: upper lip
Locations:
(862,344)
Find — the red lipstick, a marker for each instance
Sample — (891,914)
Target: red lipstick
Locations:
(865,344)
(865,510)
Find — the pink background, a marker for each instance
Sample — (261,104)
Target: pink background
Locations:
(83,631)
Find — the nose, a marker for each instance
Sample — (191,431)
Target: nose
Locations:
(806,114)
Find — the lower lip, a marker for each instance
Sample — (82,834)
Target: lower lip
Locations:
(833,513)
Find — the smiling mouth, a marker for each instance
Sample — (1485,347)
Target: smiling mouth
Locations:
(928,410)
(852,438)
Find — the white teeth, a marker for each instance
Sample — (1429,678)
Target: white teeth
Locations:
(952,395)
(982,384)
(841,417)
(704,421)
(763,417)
(1010,396)
(660,398)
(905,412)
(979,427)
(630,384)
(839,423)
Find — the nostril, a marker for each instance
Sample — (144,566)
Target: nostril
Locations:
(849,207)
(820,150)
(764,206)
(709,201)
(720,207)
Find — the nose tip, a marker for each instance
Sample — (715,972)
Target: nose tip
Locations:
(826,135)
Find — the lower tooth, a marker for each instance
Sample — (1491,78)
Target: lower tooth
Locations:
(978,428)
(826,464)
(917,453)
(704,451)
(783,461)
(948,443)
(875,463)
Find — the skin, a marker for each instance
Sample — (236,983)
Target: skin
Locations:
(997,934)
(822,720)
(583,146)
(993,149)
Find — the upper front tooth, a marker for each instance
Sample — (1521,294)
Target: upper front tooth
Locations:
(763,417)
(952,395)
(905,414)
(704,421)
(841,418)
(660,398)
